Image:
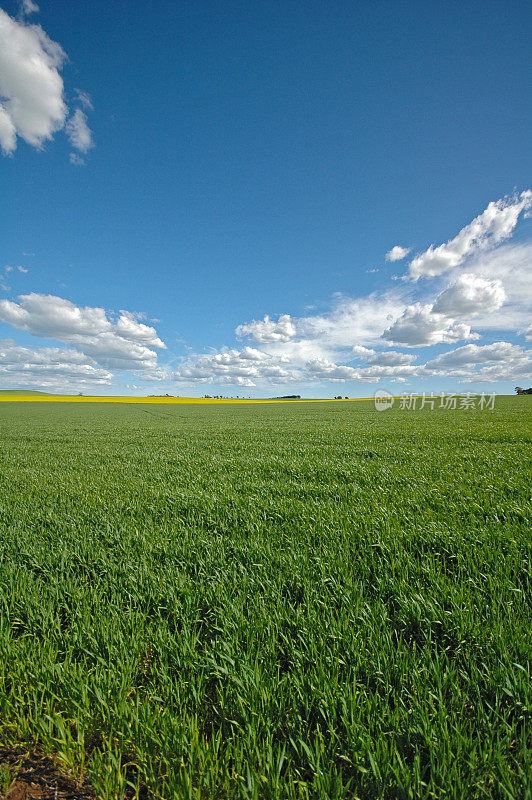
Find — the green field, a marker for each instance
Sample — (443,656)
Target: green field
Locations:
(269,601)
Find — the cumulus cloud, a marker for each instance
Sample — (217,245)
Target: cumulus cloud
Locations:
(268,330)
(511,264)
(323,370)
(520,370)
(397,253)
(49,368)
(129,327)
(78,131)
(361,351)
(242,368)
(499,361)
(476,354)
(233,367)
(323,347)
(352,321)
(420,326)
(470,295)
(496,224)
(52,317)
(485,363)
(345,343)
(396,372)
(391,358)
(124,343)
(31,89)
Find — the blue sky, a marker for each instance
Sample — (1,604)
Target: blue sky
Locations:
(199,197)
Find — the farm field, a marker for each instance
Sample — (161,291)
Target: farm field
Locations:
(269,601)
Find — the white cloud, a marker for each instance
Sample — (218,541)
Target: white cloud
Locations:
(476,354)
(361,351)
(238,381)
(8,132)
(52,317)
(78,131)
(391,358)
(129,327)
(496,223)
(22,269)
(420,326)
(344,343)
(48,368)
(328,337)
(233,367)
(499,361)
(267,330)
(31,89)
(122,344)
(76,160)
(320,347)
(470,295)
(519,370)
(397,253)
(28,7)
(511,264)
(323,346)
(239,368)
(397,372)
(252,354)
(352,321)
(84,98)
(114,352)
(323,370)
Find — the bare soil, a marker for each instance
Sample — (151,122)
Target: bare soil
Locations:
(37,776)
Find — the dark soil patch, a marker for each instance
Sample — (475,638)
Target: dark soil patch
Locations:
(33,775)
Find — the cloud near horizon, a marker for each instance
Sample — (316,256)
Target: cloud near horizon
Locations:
(478,287)
(124,343)
(49,368)
(483,271)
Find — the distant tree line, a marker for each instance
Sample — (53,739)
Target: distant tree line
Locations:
(520,390)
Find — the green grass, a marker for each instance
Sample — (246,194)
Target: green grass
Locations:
(311,601)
